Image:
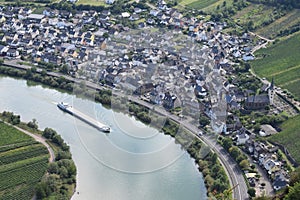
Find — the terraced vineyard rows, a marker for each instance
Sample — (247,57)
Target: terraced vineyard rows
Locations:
(26,174)
(22,164)
(21,153)
(17,145)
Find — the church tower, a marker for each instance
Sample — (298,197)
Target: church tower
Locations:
(271,92)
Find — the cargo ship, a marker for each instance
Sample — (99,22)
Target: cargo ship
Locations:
(87,119)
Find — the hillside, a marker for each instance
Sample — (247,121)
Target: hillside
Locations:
(23,162)
(289,137)
(284,25)
(281,61)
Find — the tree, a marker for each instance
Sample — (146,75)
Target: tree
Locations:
(57,140)
(208,180)
(63,172)
(202,164)
(43,72)
(234,152)
(216,169)
(105,35)
(53,182)
(244,164)
(69,165)
(293,192)
(250,25)
(33,69)
(218,186)
(227,143)
(256,128)
(28,73)
(214,158)
(42,190)
(53,168)
(204,121)
(63,155)
(295,176)
(33,124)
(15,119)
(49,133)
(64,69)
(251,192)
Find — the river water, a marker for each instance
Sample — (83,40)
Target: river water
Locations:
(132,162)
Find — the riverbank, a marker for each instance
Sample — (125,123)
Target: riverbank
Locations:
(215,179)
(59,182)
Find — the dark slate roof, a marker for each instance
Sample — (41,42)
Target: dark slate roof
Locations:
(280,181)
(263,98)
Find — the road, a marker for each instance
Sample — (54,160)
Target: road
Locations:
(231,167)
(263,45)
(261,37)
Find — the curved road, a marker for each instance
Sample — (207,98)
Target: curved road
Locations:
(41,140)
(231,167)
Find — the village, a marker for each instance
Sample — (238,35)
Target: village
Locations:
(185,64)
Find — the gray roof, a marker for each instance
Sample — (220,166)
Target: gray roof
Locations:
(263,98)
(36,16)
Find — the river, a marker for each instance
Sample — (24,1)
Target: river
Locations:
(132,162)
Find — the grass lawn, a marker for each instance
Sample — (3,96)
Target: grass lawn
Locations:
(23,162)
(281,61)
(92,2)
(289,137)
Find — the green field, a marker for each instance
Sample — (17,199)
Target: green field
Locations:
(289,137)
(23,162)
(92,2)
(281,61)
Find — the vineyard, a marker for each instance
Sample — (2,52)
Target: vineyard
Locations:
(281,62)
(288,137)
(23,162)
(196,4)
(286,22)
